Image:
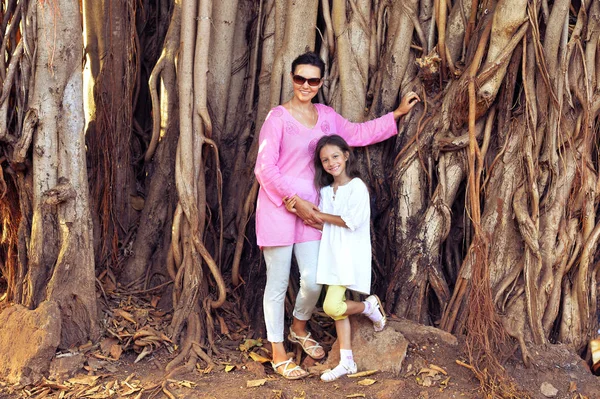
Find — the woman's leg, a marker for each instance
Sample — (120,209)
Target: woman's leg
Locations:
(307,255)
(278,261)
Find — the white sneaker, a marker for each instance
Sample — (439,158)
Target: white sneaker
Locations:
(377,315)
(339,371)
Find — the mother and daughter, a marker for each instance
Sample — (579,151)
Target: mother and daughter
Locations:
(304,147)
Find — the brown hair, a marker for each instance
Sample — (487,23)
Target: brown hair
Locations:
(322,178)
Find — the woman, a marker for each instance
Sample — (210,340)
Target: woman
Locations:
(284,170)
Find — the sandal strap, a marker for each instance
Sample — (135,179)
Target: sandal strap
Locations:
(286,370)
(302,341)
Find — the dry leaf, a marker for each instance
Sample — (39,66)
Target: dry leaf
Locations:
(84,379)
(146,351)
(186,383)
(126,315)
(249,344)
(438,368)
(366,382)
(363,374)
(116,351)
(357,395)
(256,383)
(258,358)
(223,325)
(154,301)
(572,386)
(228,368)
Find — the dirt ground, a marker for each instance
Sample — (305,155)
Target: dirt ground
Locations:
(435,366)
(235,371)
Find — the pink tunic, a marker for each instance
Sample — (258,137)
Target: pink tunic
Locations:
(284,167)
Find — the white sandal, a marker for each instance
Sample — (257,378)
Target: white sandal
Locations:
(339,371)
(288,370)
(308,349)
(376,306)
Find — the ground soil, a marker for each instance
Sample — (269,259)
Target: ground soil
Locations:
(554,365)
(435,366)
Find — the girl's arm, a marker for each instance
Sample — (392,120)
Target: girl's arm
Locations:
(355,213)
(332,219)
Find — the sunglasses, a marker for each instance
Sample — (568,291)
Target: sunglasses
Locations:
(300,80)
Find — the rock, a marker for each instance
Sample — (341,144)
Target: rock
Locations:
(28,341)
(548,390)
(66,366)
(390,389)
(384,351)
(416,332)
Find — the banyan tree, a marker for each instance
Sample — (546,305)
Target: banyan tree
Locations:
(128,133)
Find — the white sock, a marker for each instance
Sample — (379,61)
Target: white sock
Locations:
(368,308)
(372,312)
(346,357)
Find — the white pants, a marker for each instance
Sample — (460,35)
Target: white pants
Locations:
(279,262)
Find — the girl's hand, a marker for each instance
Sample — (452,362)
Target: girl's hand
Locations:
(290,203)
(306,211)
(406,104)
(318,226)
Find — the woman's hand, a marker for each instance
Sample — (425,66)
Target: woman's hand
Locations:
(290,203)
(408,101)
(306,211)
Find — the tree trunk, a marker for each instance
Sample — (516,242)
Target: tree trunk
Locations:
(61,256)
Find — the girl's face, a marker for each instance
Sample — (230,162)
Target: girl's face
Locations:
(334,161)
(304,77)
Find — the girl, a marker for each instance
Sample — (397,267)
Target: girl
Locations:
(345,254)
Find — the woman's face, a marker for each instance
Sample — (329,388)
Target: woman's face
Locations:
(302,77)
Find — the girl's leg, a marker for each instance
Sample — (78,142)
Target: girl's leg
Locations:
(336,307)
(307,255)
(371,307)
(278,261)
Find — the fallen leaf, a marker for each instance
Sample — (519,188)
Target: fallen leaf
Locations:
(146,351)
(572,386)
(438,368)
(126,315)
(356,395)
(366,382)
(106,344)
(249,344)
(116,351)
(228,368)
(258,358)
(256,383)
(363,373)
(186,383)
(84,379)
(154,301)
(223,325)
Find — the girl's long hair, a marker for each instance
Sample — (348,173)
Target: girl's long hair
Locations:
(322,178)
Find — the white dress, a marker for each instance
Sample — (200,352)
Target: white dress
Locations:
(345,253)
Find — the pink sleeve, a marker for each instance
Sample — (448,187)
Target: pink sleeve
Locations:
(366,133)
(267,170)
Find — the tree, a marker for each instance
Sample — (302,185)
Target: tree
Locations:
(485,211)
(56,257)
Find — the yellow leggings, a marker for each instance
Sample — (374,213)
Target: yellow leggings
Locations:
(334,304)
